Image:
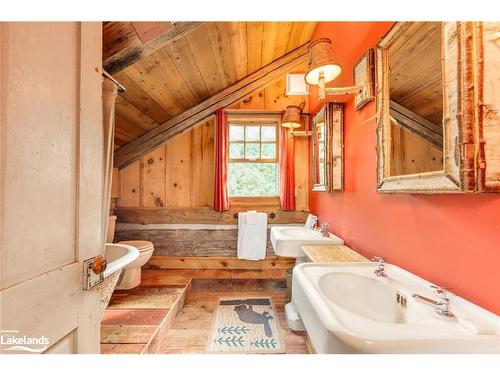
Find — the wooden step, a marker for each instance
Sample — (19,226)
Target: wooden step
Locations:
(230,263)
(175,277)
(137,319)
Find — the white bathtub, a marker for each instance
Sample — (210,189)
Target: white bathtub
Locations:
(117,256)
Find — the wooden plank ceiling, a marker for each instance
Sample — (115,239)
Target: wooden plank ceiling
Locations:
(192,67)
(416,83)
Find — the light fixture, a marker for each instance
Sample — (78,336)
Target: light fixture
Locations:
(292,118)
(324,67)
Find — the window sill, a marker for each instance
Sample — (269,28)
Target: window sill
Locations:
(272,200)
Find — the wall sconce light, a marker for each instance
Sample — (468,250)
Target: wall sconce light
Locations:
(292,118)
(324,68)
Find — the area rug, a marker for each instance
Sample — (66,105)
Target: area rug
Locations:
(245,325)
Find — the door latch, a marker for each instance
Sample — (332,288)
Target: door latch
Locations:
(93,271)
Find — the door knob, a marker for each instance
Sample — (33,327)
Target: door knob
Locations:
(93,271)
(99,264)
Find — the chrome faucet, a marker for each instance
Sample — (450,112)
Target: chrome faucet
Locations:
(314,222)
(323,229)
(442,304)
(380,271)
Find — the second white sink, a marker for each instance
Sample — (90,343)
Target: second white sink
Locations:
(287,241)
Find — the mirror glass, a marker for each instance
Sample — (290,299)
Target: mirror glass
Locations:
(416,100)
(319,138)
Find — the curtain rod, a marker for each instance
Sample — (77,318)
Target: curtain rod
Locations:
(110,77)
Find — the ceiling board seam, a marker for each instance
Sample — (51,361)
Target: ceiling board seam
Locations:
(215,61)
(191,54)
(140,92)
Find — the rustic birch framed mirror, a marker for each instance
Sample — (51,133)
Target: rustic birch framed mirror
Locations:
(429,116)
(328,148)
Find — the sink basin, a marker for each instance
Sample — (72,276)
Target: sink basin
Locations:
(366,297)
(287,241)
(346,308)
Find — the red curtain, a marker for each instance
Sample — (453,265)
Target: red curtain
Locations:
(287,170)
(221,197)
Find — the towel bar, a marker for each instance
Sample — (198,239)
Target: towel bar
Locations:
(272,215)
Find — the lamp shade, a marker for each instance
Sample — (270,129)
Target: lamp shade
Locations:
(322,62)
(292,118)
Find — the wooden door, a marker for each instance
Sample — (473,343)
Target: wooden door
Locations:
(51,183)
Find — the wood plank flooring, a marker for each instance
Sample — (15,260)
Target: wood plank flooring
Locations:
(171,311)
(189,331)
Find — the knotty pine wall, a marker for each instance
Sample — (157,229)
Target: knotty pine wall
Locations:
(180,173)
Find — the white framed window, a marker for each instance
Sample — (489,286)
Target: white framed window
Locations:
(253,158)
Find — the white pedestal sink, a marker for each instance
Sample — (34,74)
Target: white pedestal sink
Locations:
(346,308)
(287,241)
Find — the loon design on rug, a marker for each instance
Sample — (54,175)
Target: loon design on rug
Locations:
(245,325)
(248,315)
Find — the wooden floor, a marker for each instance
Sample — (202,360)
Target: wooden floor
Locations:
(172,310)
(136,320)
(189,331)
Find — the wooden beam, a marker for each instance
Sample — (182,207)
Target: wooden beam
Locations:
(416,124)
(230,95)
(203,215)
(128,42)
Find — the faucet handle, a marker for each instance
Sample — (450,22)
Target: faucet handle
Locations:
(440,290)
(314,221)
(378,259)
(443,301)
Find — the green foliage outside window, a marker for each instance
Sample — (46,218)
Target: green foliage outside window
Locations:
(253,178)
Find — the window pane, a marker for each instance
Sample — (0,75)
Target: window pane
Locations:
(236,133)
(269,133)
(237,151)
(253,133)
(252,151)
(253,178)
(268,151)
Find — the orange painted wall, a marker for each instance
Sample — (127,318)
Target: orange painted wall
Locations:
(450,240)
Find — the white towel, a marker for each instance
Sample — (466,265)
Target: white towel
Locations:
(310,221)
(252,235)
(251,217)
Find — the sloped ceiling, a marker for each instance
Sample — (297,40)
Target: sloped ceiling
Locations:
(194,67)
